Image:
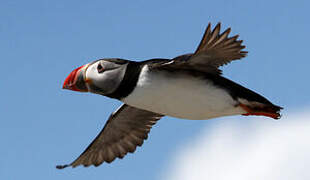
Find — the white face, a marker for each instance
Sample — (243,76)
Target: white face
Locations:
(105,76)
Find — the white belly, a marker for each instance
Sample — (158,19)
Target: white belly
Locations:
(181,96)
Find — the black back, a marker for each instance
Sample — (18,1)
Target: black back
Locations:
(133,70)
(236,90)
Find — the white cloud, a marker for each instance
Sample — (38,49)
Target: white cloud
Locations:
(261,149)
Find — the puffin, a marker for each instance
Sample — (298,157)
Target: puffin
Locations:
(189,86)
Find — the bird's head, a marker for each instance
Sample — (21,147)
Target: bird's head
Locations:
(101,77)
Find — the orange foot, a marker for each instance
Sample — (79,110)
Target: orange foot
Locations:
(274,115)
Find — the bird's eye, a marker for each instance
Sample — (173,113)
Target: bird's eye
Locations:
(100,68)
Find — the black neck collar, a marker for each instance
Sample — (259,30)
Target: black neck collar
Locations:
(129,81)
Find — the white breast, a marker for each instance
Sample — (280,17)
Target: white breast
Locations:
(181,96)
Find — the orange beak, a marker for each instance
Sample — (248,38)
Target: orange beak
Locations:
(75,80)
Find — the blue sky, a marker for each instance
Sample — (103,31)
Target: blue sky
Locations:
(42,41)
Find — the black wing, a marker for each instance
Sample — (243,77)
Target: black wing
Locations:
(124,131)
(215,49)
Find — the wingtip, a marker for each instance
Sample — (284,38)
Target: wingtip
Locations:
(62,166)
(208,29)
(227,31)
(217,29)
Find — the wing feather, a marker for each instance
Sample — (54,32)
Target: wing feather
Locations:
(214,50)
(126,129)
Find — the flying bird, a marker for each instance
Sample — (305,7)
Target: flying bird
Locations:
(189,86)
